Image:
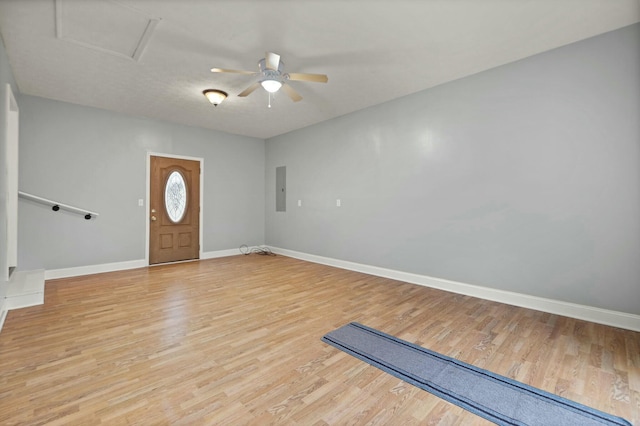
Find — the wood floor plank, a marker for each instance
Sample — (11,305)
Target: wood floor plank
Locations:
(236,340)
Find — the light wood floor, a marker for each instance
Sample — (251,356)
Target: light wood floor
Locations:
(236,341)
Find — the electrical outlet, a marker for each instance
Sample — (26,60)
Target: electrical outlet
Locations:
(140,202)
(299,203)
(338,202)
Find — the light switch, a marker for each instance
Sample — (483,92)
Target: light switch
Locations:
(338,202)
(140,202)
(299,203)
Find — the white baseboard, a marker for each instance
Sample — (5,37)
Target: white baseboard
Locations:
(220,253)
(52,274)
(587,313)
(3,312)
(583,312)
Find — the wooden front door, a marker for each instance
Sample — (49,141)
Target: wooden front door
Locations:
(174,210)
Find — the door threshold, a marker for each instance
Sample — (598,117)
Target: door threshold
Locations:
(175,261)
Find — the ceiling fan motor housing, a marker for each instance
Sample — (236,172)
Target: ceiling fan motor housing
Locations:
(270,74)
(262,64)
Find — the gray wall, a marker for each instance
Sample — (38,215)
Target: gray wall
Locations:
(522,178)
(6,76)
(96,160)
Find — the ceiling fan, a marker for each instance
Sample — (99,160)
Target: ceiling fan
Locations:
(271,77)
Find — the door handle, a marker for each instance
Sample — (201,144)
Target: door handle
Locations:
(153,218)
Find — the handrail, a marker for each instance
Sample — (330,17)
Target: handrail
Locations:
(55,206)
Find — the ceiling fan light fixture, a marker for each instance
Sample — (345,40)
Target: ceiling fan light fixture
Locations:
(272,78)
(271,86)
(215,96)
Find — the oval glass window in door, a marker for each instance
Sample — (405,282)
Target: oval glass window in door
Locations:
(175,196)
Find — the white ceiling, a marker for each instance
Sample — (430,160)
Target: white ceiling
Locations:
(93,52)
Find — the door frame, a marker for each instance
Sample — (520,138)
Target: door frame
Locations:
(147,221)
(9,147)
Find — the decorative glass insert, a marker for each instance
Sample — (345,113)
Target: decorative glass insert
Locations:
(175,196)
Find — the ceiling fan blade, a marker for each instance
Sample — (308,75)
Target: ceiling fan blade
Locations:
(295,96)
(272,61)
(317,78)
(249,89)
(232,71)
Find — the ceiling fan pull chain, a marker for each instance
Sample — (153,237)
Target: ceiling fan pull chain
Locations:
(269,99)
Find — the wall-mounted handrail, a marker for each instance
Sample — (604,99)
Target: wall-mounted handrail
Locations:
(55,206)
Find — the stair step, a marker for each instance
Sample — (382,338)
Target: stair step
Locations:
(26,288)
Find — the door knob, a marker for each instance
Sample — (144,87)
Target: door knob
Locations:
(153,218)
